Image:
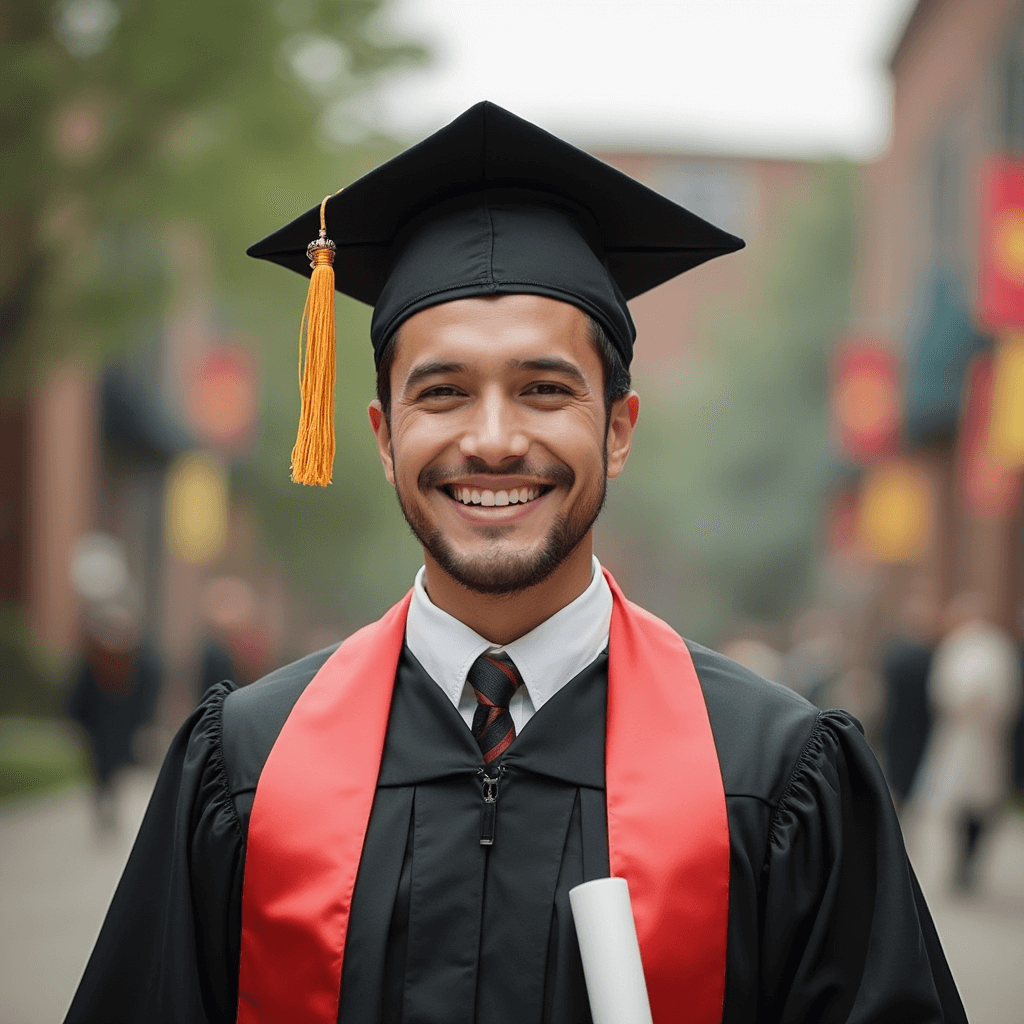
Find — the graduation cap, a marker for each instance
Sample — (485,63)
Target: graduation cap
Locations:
(488,205)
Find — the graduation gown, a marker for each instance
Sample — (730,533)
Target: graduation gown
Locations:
(825,919)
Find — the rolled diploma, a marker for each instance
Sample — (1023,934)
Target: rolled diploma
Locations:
(610,952)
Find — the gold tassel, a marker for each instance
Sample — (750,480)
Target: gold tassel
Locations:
(313,454)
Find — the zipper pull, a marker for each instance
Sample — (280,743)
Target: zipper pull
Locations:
(488,812)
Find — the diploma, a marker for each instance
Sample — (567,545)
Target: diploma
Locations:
(610,952)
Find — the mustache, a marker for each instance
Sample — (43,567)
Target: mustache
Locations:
(556,473)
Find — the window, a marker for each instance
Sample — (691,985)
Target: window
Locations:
(717,190)
(1010,72)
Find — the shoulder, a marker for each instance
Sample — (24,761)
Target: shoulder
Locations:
(253,715)
(761,728)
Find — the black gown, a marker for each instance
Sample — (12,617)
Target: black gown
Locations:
(826,920)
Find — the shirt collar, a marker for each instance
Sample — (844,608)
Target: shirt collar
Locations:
(547,657)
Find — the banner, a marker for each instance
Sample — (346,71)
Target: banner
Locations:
(865,399)
(1001,259)
(988,487)
(894,523)
(196,507)
(223,398)
(1006,432)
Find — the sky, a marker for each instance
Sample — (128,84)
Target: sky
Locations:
(776,77)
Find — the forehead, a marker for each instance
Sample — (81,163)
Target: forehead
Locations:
(492,331)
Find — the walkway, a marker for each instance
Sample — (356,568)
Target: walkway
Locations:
(57,875)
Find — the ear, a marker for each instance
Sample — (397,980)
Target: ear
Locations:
(382,432)
(621,424)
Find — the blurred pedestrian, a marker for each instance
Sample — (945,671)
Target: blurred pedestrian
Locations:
(907,722)
(229,604)
(756,654)
(1017,744)
(975,689)
(215,664)
(113,695)
(1017,751)
(859,690)
(815,659)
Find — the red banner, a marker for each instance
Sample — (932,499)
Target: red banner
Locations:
(1006,434)
(865,399)
(988,487)
(1001,262)
(223,397)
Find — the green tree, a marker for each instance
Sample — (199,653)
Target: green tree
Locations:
(130,125)
(725,485)
(122,118)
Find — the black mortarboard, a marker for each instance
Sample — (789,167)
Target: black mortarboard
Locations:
(491,204)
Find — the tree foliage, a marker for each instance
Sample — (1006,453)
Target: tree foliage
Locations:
(122,118)
(147,141)
(725,484)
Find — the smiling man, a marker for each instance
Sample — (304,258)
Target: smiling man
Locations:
(506,439)
(388,830)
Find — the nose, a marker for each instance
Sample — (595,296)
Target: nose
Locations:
(494,431)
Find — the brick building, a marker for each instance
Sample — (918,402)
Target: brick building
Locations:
(958,76)
(748,196)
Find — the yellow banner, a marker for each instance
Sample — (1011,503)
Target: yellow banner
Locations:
(196,509)
(895,516)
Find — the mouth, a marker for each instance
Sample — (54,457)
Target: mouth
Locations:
(482,497)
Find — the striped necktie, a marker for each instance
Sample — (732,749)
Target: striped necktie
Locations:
(494,679)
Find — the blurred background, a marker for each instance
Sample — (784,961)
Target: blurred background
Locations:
(825,485)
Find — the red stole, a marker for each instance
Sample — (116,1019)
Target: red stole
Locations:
(668,833)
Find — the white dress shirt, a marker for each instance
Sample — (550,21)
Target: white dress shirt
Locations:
(547,657)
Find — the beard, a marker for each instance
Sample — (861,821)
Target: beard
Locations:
(496,570)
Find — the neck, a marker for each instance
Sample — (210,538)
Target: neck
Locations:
(502,618)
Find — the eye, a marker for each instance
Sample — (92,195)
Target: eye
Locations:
(441,391)
(547,388)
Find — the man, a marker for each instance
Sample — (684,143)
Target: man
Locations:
(975,690)
(114,694)
(411,808)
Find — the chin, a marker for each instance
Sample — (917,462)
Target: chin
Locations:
(505,568)
(496,573)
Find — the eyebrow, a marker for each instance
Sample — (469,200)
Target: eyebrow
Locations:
(432,369)
(551,364)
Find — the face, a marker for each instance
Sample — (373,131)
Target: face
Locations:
(499,444)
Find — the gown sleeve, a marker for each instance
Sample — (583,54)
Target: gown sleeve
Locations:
(167,951)
(847,934)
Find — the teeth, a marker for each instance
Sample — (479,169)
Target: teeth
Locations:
(490,499)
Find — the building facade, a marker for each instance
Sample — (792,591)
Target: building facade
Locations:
(958,110)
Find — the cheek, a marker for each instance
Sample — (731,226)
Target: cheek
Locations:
(577,439)
(418,441)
